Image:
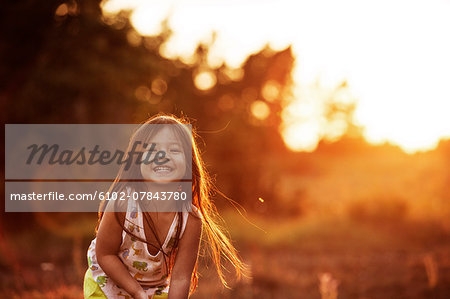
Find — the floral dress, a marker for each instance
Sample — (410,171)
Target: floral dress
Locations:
(149,270)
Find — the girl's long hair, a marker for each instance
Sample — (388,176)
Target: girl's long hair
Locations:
(218,243)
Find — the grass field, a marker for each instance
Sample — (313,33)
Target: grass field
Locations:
(297,258)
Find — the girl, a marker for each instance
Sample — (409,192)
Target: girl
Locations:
(139,253)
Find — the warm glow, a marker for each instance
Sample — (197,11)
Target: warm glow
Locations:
(143,93)
(304,121)
(393,54)
(134,38)
(271,91)
(235,74)
(62,10)
(303,136)
(205,80)
(159,86)
(260,110)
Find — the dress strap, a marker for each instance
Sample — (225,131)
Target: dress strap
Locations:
(186,215)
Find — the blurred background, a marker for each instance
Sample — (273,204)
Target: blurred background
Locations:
(327,122)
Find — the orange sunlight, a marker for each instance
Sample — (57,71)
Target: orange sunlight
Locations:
(392,54)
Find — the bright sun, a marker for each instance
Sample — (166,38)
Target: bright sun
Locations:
(393,54)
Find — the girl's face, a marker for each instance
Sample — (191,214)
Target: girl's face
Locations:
(175,168)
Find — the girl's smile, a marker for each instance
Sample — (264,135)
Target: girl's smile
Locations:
(173,163)
(162,169)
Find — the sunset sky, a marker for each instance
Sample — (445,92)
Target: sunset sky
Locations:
(393,54)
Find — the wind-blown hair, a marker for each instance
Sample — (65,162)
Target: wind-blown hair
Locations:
(217,242)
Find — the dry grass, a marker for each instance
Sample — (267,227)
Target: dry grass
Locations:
(304,258)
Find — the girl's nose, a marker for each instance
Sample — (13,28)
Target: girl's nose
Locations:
(166,155)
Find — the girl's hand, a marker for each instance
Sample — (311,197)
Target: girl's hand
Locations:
(185,259)
(141,295)
(109,238)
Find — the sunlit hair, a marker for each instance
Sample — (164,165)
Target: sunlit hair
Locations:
(217,242)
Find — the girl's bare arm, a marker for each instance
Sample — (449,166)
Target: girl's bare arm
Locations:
(180,280)
(109,238)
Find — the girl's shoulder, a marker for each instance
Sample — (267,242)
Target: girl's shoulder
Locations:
(195,211)
(195,214)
